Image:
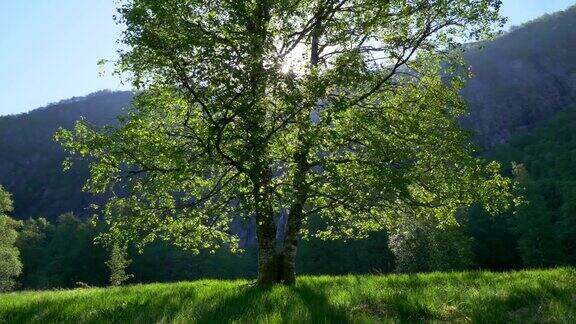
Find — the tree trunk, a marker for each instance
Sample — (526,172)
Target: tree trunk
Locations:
(265,229)
(278,267)
(267,255)
(294,222)
(293,225)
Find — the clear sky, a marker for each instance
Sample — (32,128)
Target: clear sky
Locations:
(49,48)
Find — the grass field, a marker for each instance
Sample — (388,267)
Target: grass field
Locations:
(522,297)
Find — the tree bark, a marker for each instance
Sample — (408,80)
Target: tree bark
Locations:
(295,215)
(267,259)
(266,233)
(279,267)
(288,260)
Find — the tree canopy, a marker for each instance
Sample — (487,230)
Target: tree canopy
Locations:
(344,110)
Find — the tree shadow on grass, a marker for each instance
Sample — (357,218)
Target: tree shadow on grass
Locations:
(319,307)
(529,304)
(244,304)
(252,304)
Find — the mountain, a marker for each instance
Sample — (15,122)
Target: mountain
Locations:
(520,78)
(523,77)
(31,162)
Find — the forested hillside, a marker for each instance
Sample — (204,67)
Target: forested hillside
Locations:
(31,162)
(543,231)
(539,234)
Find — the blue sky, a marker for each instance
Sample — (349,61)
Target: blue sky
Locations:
(49,48)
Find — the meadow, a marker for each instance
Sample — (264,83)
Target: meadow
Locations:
(523,297)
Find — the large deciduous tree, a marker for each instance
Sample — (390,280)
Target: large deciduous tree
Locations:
(341,109)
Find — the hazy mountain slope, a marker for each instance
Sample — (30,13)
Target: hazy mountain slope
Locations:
(522,77)
(30,161)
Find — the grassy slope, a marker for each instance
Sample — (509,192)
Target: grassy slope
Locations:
(527,296)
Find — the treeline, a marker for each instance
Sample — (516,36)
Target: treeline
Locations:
(64,255)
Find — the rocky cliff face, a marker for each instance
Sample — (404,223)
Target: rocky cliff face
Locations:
(522,77)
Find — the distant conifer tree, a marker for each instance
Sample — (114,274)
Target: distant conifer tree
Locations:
(117,264)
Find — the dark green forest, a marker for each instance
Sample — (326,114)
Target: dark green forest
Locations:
(541,232)
(51,260)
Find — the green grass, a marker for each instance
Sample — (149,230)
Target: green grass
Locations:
(522,297)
